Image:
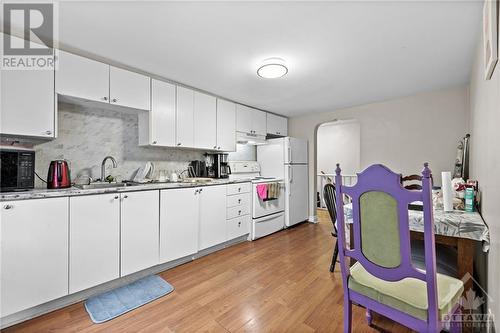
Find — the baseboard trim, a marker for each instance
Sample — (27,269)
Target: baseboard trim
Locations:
(62,302)
(313,219)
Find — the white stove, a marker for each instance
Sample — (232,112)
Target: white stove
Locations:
(268,216)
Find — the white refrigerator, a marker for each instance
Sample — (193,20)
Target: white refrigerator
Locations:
(287,158)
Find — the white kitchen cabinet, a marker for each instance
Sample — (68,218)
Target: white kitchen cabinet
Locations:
(27,106)
(259,120)
(82,77)
(226,125)
(129,89)
(179,219)
(94,240)
(205,121)
(244,118)
(238,227)
(277,125)
(249,120)
(185,117)
(158,126)
(212,216)
(34,253)
(140,224)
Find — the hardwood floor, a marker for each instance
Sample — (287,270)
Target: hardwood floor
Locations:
(279,283)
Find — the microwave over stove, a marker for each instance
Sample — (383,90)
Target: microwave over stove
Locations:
(17,170)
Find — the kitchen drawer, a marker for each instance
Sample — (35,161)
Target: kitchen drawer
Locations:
(237,211)
(238,188)
(238,200)
(238,227)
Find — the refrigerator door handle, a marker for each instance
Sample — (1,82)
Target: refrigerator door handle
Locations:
(290,174)
(289,154)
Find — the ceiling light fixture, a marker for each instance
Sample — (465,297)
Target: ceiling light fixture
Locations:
(272,68)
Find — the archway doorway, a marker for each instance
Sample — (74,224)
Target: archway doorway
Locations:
(337,141)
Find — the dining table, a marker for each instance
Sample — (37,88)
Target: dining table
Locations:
(457,228)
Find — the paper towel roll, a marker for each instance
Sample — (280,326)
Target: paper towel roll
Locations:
(447,191)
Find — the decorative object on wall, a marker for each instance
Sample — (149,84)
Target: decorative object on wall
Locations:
(490,37)
(461,169)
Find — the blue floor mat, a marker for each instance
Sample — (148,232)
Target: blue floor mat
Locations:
(118,301)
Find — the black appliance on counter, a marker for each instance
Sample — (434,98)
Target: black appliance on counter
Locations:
(219,167)
(197,169)
(17,169)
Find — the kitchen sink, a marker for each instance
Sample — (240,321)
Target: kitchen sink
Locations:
(197,180)
(98,185)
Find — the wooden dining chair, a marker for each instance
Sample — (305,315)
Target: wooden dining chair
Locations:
(329,197)
(383,279)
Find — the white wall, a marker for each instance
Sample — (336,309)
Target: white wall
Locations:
(339,142)
(485,163)
(402,133)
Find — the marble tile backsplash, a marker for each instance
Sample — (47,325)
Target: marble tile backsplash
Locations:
(87,135)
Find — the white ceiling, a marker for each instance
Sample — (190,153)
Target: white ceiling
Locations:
(339,53)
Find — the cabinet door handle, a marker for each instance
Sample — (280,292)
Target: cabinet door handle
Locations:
(154,142)
(125,196)
(48,132)
(218,148)
(201,190)
(8,206)
(215,147)
(196,192)
(179,144)
(116,197)
(239,200)
(114,100)
(239,224)
(239,212)
(104,98)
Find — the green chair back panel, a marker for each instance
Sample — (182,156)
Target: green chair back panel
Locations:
(379,221)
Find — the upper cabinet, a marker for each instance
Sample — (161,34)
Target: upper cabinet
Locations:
(185,117)
(92,80)
(158,126)
(129,89)
(259,122)
(243,119)
(277,125)
(81,77)
(27,103)
(226,125)
(250,120)
(205,121)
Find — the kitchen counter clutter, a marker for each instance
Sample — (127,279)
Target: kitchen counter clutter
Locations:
(87,238)
(75,191)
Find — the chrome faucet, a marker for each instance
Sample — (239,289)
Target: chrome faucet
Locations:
(103,166)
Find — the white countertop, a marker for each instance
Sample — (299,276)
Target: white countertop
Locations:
(74,191)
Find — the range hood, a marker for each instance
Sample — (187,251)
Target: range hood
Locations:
(250,139)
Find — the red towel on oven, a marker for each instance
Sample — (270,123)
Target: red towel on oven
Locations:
(262,191)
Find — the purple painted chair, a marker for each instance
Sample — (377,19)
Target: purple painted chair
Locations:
(383,278)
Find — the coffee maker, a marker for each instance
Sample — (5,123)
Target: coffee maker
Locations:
(218,166)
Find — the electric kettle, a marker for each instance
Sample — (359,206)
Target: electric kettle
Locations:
(58,175)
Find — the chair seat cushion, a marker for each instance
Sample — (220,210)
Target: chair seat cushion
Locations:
(408,295)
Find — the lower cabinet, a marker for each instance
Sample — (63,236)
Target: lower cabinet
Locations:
(34,253)
(238,227)
(94,240)
(140,224)
(179,215)
(212,216)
